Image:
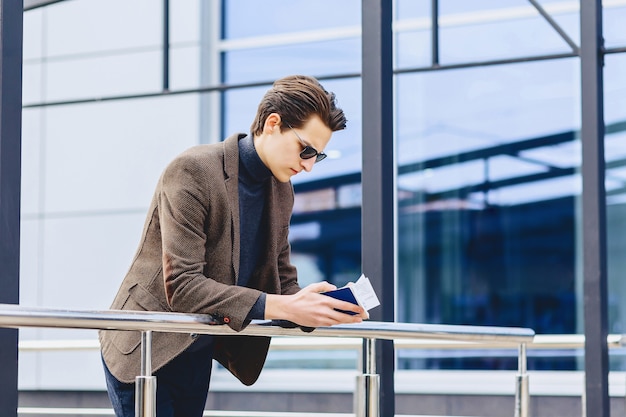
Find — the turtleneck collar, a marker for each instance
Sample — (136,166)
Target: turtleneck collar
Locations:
(254,170)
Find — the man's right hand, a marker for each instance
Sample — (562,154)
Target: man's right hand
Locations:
(311,309)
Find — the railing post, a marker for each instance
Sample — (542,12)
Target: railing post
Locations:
(522,395)
(367,394)
(145,384)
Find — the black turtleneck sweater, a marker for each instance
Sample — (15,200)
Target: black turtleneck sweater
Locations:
(253,180)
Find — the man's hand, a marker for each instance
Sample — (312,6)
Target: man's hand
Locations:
(310,308)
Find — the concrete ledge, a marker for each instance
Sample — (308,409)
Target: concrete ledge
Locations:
(234,404)
(418,393)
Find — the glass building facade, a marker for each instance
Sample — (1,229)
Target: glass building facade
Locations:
(487,146)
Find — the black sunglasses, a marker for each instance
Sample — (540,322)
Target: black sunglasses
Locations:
(308,152)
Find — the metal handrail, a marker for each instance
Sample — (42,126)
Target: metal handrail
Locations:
(19,316)
(366,404)
(295,343)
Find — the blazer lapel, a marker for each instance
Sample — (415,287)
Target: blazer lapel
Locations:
(231,179)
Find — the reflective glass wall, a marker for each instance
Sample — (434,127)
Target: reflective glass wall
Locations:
(487,143)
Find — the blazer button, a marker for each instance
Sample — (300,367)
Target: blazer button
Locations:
(226,320)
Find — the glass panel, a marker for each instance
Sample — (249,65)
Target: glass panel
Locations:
(93,252)
(102,76)
(93,164)
(411,9)
(466,110)
(412,29)
(184,67)
(252,18)
(478,6)
(115,54)
(30,264)
(33,39)
(185,45)
(414,48)
(614,88)
(97,26)
(615,155)
(487,30)
(487,188)
(317,58)
(614,14)
(32,88)
(185,19)
(32,175)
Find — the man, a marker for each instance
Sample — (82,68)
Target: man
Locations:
(215,241)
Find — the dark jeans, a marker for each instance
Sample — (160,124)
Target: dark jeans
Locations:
(182,385)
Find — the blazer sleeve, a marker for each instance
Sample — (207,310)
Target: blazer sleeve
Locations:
(185,218)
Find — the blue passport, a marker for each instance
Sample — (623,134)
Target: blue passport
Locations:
(344,294)
(360,293)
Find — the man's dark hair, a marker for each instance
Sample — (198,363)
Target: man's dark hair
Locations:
(296,98)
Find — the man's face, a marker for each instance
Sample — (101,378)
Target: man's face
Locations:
(281,151)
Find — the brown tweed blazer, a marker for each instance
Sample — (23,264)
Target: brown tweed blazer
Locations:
(188,261)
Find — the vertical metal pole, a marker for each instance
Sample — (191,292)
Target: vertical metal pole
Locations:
(378,179)
(145,384)
(434,35)
(522,395)
(366,396)
(166,45)
(210,115)
(11,29)
(594,211)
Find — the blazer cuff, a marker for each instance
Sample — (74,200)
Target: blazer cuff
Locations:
(257,312)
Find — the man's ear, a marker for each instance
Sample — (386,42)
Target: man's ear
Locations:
(272,122)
